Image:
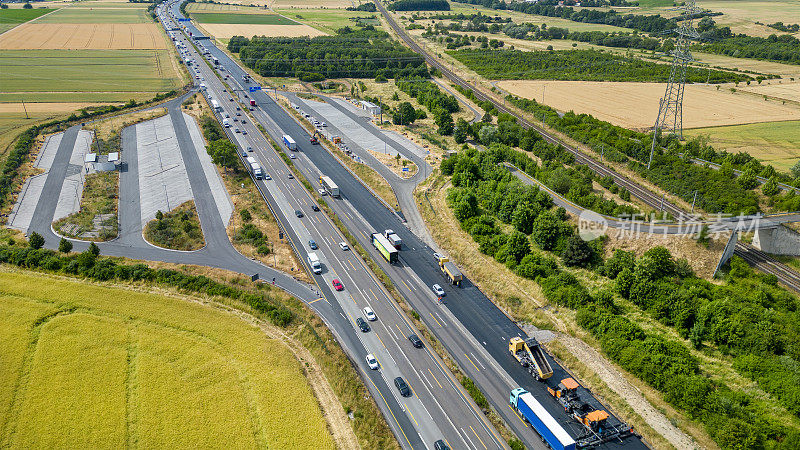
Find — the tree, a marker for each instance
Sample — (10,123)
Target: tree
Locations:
(546,231)
(577,252)
(64,246)
(223,153)
(35,240)
(27,6)
(404,114)
(488,135)
(518,245)
(796,170)
(467,206)
(523,217)
(770,188)
(461,130)
(93,249)
(444,120)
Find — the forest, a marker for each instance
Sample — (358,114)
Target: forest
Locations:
(584,65)
(748,317)
(363,53)
(419,5)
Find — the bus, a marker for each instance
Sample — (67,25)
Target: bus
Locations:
(215,60)
(329,186)
(384,247)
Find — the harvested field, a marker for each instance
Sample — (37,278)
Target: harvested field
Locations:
(741,15)
(328,20)
(322,4)
(104,36)
(249,19)
(782,91)
(223,31)
(86,366)
(635,105)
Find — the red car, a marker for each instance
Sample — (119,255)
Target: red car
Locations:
(337,285)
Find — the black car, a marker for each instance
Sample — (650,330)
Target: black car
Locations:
(415,341)
(315,207)
(402,387)
(298,213)
(312,244)
(440,445)
(362,324)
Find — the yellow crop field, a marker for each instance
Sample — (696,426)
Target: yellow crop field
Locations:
(87,366)
(635,105)
(97,36)
(226,30)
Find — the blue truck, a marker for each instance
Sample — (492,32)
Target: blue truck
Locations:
(534,413)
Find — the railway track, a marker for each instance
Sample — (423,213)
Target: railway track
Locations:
(750,254)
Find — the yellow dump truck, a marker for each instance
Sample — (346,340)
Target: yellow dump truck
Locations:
(449,269)
(531,356)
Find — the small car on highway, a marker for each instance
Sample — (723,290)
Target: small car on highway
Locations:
(292,156)
(370,314)
(244,154)
(315,207)
(438,290)
(322,192)
(401,386)
(312,244)
(337,284)
(440,445)
(298,213)
(362,324)
(249,149)
(343,245)
(291,176)
(415,341)
(237,130)
(372,362)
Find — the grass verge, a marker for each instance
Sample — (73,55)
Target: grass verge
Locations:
(97,218)
(178,229)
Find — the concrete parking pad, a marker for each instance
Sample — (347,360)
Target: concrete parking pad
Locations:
(218,191)
(350,129)
(69,201)
(163,182)
(22,212)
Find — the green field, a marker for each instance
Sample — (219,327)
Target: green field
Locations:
(86,366)
(85,71)
(776,143)
(84,15)
(251,19)
(327,20)
(9,18)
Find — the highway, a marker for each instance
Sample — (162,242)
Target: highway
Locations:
(472,329)
(437,408)
(753,256)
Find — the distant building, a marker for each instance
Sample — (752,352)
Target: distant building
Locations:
(372,108)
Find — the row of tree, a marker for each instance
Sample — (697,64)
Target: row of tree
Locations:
(419,5)
(351,53)
(717,191)
(585,65)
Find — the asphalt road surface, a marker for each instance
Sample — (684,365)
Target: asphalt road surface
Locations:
(474,331)
(438,408)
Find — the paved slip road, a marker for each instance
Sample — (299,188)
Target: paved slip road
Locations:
(473,330)
(218,252)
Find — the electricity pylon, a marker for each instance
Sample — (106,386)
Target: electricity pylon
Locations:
(670,108)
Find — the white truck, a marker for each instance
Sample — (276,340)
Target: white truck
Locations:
(257,171)
(215,105)
(393,238)
(313,261)
(226,123)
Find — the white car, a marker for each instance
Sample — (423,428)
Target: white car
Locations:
(292,156)
(438,290)
(322,192)
(370,314)
(343,245)
(372,362)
